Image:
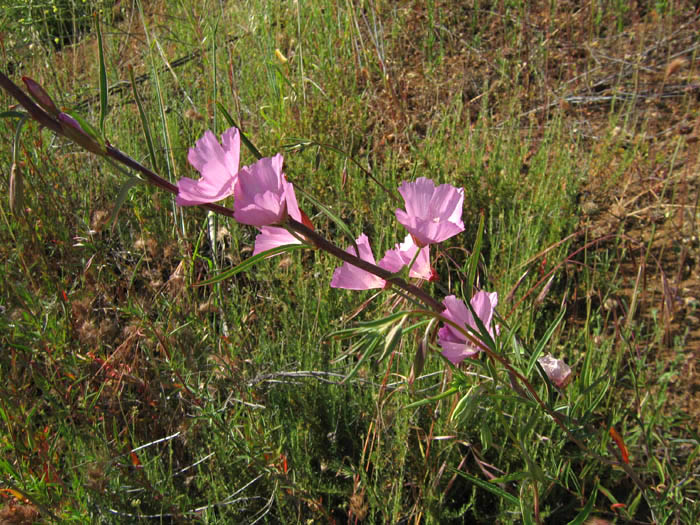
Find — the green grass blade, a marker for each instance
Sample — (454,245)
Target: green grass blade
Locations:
(255,151)
(476,252)
(103,77)
(121,198)
(371,345)
(582,516)
(144,122)
(543,341)
(490,487)
(251,262)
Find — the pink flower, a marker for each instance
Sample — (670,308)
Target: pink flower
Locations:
(218,165)
(557,370)
(272,237)
(455,345)
(353,278)
(402,255)
(432,214)
(263,197)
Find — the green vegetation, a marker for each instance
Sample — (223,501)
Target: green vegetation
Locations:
(131,394)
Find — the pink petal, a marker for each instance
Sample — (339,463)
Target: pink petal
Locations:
(402,255)
(351,277)
(272,237)
(263,197)
(456,347)
(457,351)
(217,165)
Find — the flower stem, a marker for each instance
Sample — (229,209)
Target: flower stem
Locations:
(341,254)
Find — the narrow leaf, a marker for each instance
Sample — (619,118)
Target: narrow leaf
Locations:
(476,252)
(525,512)
(121,198)
(447,393)
(582,516)
(245,140)
(87,128)
(543,341)
(332,216)
(373,342)
(144,121)
(251,262)
(103,77)
(490,487)
(392,339)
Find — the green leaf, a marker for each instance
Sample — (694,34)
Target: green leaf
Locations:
(391,340)
(443,395)
(543,341)
(244,139)
(383,323)
(13,114)
(332,216)
(525,512)
(509,478)
(88,128)
(103,77)
(251,262)
(18,133)
(476,252)
(582,516)
(144,122)
(490,487)
(121,198)
(465,406)
(373,342)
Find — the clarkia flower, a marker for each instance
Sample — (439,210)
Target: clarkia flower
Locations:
(557,370)
(218,165)
(402,255)
(263,197)
(432,214)
(455,345)
(351,277)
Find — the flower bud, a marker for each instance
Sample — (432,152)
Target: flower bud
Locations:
(557,370)
(40,96)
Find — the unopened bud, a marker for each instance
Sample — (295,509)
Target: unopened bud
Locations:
(557,370)
(280,56)
(40,96)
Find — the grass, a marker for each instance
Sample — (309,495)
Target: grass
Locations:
(132,395)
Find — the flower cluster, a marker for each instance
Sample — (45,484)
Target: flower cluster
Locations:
(264,198)
(262,195)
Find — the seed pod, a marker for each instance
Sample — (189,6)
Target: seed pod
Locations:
(16,190)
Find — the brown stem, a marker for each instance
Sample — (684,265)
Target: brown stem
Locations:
(341,254)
